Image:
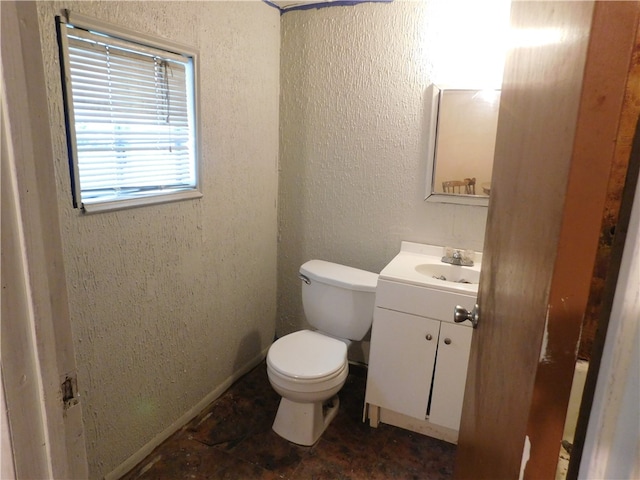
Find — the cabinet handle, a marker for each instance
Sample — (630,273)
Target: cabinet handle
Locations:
(428,337)
(447,341)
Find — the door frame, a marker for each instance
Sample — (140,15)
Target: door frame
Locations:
(47,431)
(606,440)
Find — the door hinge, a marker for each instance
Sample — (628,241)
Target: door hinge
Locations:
(70,391)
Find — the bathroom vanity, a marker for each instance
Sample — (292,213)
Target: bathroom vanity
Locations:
(419,355)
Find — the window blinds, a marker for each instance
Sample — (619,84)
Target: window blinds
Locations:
(132,117)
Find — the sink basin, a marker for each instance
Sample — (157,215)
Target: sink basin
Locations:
(449,273)
(421,265)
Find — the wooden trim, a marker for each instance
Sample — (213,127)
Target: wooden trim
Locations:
(609,296)
(601,105)
(622,145)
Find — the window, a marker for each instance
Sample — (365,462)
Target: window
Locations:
(130,114)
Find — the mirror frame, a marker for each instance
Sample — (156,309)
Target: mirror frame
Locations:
(433,98)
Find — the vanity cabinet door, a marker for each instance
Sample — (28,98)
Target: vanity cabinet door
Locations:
(401,361)
(450,376)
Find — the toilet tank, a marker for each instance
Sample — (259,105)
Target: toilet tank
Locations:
(337,299)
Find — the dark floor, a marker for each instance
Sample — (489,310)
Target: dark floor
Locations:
(232,439)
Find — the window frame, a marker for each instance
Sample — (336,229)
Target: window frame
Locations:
(143,41)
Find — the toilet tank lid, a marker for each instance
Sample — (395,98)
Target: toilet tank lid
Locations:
(340,275)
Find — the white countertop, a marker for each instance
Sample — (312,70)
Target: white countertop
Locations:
(403,268)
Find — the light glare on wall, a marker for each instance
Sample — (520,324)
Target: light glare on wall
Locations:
(466,40)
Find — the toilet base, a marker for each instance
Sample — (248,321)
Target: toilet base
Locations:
(304,423)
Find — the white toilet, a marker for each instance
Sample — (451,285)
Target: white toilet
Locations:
(308,368)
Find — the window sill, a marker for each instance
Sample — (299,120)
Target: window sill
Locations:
(140,202)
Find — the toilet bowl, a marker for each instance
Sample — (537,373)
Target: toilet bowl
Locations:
(309,367)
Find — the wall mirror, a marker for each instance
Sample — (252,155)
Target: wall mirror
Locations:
(462,141)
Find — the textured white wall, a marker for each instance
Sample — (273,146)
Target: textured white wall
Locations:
(353,143)
(168,301)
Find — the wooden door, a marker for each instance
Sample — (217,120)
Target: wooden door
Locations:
(560,112)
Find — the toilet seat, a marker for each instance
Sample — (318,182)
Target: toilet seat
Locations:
(307,357)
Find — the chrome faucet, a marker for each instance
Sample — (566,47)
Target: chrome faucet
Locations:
(456,257)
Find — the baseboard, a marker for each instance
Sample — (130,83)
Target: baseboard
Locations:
(141,454)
